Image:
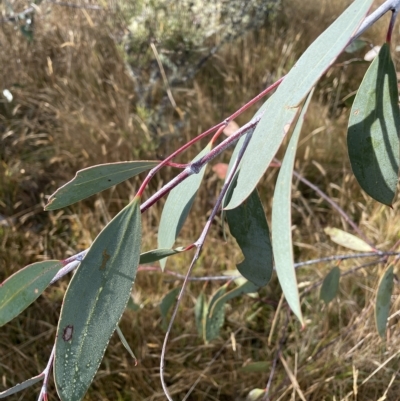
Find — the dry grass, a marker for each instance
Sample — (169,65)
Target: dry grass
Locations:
(74,107)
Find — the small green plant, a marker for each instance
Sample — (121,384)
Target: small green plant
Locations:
(100,289)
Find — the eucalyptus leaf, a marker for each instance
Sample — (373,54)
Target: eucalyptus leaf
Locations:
(157,254)
(249,226)
(256,394)
(373,133)
(24,287)
(166,304)
(200,313)
(383,297)
(22,386)
(214,322)
(125,343)
(92,180)
(282,109)
(177,207)
(94,302)
(347,240)
(282,221)
(330,285)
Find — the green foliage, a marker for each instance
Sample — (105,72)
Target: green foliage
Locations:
(100,291)
(373,134)
(330,285)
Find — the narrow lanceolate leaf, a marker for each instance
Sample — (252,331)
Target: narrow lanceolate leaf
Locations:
(330,285)
(373,133)
(249,226)
(22,386)
(177,207)
(200,313)
(92,180)
(214,323)
(167,303)
(94,302)
(125,344)
(157,254)
(24,287)
(216,310)
(347,240)
(282,109)
(282,222)
(382,307)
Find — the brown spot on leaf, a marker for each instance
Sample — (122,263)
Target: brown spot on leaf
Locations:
(106,256)
(67,333)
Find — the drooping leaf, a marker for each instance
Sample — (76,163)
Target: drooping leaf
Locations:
(255,394)
(166,304)
(200,313)
(255,367)
(282,109)
(94,302)
(126,344)
(216,310)
(383,297)
(157,254)
(282,221)
(24,287)
(347,240)
(177,207)
(373,134)
(249,226)
(330,285)
(92,180)
(22,386)
(214,323)
(246,288)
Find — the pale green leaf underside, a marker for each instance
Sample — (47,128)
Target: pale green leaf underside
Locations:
(24,287)
(92,180)
(94,302)
(282,221)
(373,133)
(347,240)
(22,386)
(383,297)
(330,285)
(282,108)
(214,323)
(248,224)
(177,207)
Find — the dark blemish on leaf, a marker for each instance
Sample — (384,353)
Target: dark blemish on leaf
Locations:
(106,256)
(109,180)
(67,333)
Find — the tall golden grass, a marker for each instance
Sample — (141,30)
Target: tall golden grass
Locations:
(74,106)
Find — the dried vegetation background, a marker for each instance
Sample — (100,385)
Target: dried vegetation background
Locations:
(82,97)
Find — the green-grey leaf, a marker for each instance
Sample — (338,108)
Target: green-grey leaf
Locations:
(177,207)
(214,323)
(94,302)
(282,109)
(92,180)
(373,133)
(157,254)
(382,307)
(330,285)
(249,226)
(200,313)
(166,304)
(22,386)
(256,367)
(24,287)
(125,343)
(282,221)
(355,46)
(216,310)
